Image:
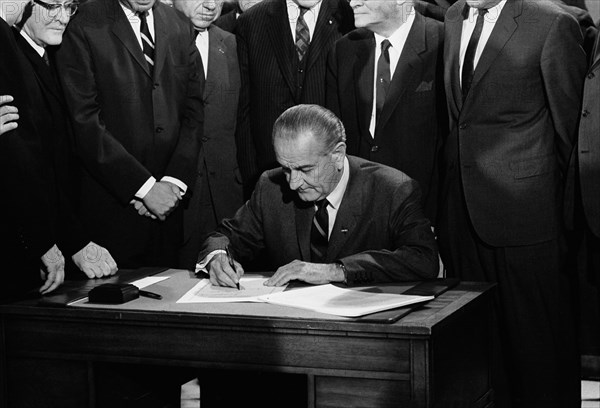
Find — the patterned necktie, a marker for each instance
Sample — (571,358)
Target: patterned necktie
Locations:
(469,63)
(302,34)
(383,78)
(147,41)
(319,234)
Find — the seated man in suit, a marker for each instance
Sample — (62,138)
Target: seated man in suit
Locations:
(322,217)
(325,217)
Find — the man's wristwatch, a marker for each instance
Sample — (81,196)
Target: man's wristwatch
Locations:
(343,268)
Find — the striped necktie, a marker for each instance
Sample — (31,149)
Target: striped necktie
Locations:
(319,234)
(147,41)
(302,34)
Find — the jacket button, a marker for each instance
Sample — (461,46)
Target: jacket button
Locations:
(205,139)
(585,113)
(374,148)
(154,86)
(591,75)
(159,130)
(462,126)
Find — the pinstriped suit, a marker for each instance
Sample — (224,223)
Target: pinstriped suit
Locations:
(268,70)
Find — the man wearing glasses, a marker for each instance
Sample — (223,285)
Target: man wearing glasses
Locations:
(37,221)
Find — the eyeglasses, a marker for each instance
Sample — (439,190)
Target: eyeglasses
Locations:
(53,9)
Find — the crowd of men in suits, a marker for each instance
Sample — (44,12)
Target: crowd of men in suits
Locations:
(130,129)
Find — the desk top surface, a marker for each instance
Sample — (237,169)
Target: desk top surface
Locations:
(420,320)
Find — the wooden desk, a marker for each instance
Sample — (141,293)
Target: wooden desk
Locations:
(436,356)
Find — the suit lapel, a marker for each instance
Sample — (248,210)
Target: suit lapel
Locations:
(408,63)
(161,38)
(452,60)
(278,29)
(121,28)
(503,30)
(348,214)
(42,72)
(324,29)
(217,74)
(364,68)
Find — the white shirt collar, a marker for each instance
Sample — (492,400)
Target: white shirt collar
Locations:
(132,15)
(398,37)
(39,49)
(335,197)
(492,14)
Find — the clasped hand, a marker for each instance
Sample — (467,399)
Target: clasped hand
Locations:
(160,201)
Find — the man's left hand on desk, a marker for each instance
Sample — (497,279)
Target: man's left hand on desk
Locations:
(314,273)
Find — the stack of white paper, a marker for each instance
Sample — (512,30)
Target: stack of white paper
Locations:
(328,299)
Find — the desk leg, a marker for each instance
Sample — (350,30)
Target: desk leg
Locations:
(310,385)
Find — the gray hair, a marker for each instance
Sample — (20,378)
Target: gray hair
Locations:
(314,119)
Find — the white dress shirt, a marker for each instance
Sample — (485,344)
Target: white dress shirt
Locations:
(397,41)
(468,27)
(202,45)
(310,17)
(135,22)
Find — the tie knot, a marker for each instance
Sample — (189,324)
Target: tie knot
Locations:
(142,15)
(385,45)
(303,10)
(321,204)
(482,12)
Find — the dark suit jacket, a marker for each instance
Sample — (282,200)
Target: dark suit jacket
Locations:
(50,114)
(29,228)
(513,135)
(413,116)
(380,233)
(227,21)
(585,160)
(218,153)
(268,65)
(128,125)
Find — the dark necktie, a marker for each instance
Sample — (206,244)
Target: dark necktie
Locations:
(147,41)
(383,78)
(469,63)
(319,234)
(45,58)
(302,34)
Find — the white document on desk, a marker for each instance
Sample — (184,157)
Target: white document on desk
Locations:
(251,290)
(337,301)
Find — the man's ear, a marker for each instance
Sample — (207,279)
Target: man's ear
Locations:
(339,152)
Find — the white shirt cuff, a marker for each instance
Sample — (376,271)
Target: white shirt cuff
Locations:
(141,193)
(201,266)
(182,186)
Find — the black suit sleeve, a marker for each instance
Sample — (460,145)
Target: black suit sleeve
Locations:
(414,256)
